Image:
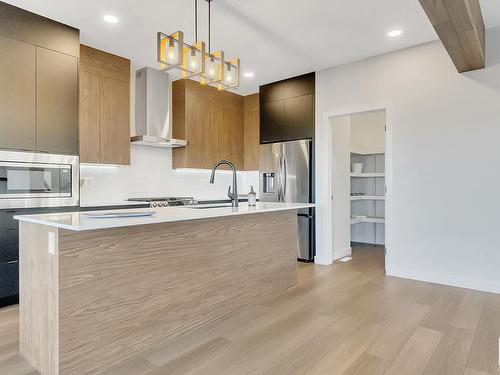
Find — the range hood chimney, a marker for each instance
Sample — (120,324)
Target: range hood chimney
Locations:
(152,110)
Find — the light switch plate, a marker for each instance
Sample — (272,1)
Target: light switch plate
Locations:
(52,243)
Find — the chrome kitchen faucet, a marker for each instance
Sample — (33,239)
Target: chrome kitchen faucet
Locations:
(232,195)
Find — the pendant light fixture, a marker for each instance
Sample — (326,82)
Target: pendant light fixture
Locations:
(193,61)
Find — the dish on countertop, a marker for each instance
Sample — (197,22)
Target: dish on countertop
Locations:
(117,215)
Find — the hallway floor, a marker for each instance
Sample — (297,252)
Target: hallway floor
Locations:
(344,319)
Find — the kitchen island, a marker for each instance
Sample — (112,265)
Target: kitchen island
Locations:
(94,292)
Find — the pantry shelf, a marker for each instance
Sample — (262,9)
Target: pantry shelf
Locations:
(376,220)
(367,197)
(367,175)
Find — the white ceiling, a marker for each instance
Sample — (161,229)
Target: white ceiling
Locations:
(274,39)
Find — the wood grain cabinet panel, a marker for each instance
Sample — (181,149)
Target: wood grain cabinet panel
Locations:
(104,64)
(104,107)
(114,119)
(89,117)
(203,151)
(251,124)
(57,102)
(17,94)
(211,122)
(230,136)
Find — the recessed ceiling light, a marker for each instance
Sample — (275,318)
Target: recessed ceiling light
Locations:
(394,33)
(109,18)
(248,74)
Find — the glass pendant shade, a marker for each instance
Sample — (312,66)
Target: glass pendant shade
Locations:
(213,68)
(193,60)
(230,74)
(170,49)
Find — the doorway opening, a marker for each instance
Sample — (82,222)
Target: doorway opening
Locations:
(358,184)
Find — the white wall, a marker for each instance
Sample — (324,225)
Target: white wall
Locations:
(367,132)
(151,174)
(444,132)
(341,186)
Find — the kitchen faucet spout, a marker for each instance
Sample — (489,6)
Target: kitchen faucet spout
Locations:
(234,194)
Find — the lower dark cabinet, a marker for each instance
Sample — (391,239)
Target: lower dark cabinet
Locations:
(9,248)
(9,281)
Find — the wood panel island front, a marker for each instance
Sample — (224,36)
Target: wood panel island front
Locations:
(94,292)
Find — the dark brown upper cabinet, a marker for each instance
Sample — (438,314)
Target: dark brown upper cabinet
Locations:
(38,83)
(287,109)
(17,94)
(19,24)
(57,102)
(272,121)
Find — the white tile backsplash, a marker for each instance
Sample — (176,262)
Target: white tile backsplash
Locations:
(151,174)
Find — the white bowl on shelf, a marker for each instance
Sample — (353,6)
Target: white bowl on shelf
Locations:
(357,168)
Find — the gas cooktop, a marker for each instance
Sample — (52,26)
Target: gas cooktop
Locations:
(166,201)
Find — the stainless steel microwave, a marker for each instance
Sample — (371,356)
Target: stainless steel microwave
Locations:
(38,180)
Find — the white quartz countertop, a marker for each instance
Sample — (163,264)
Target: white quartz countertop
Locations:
(79,221)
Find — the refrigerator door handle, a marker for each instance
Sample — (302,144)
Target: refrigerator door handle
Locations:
(309,216)
(281,196)
(284,178)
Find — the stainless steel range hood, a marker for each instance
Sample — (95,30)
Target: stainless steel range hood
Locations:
(152,110)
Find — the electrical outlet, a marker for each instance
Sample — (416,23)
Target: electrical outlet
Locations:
(52,243)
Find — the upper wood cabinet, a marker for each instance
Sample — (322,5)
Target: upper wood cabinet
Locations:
(230,129)
(212,123)
(114,121)
(217,125)
(89,117)
(251,122)
(104,107)
(104,64)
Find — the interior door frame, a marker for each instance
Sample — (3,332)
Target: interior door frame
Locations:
(388,170)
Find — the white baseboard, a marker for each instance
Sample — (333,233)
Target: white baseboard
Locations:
(461,282)
(323,260)
(342,253)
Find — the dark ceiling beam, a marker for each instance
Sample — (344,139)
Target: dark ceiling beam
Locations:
(460,26)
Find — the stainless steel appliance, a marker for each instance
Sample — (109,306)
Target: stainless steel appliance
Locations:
(286,176)
(30,183)
(152,110)
(166,201)
(38,180)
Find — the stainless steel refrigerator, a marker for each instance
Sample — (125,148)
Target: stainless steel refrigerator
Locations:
(286,175)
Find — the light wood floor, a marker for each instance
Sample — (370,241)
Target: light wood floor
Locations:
(344,319)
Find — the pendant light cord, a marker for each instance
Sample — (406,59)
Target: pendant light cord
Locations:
(209,27)
(196,21)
